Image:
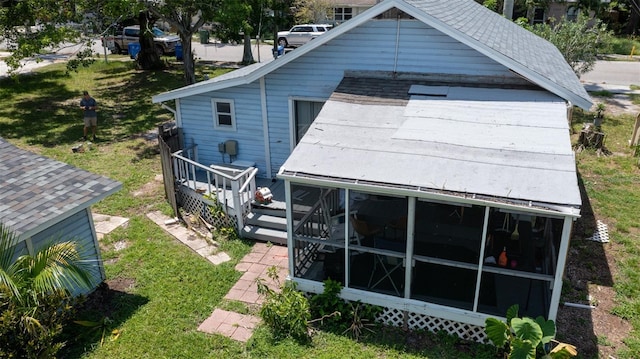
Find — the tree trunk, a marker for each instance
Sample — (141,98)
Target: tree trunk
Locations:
(187,57)
(507,9)
(247,56)
(148,58)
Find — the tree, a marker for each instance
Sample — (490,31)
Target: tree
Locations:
(312,11)
(235,17)
(35,295)
(579,41)
(187,16)
(31,27)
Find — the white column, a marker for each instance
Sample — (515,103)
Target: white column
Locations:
(562,259)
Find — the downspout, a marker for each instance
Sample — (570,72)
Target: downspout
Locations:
(265,126)
(395,60)
(570,114)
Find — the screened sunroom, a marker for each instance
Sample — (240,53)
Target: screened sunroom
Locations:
(444,205)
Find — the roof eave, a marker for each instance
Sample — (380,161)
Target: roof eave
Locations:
(551,209)
(39,228)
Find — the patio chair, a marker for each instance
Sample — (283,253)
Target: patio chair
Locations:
(364,229)
(388,264)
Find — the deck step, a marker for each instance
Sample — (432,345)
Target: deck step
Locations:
(265,234)
(275,212)
(267,221)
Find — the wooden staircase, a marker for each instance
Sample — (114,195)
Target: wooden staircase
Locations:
(266,225)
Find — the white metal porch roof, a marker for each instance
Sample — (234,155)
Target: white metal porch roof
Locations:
(502,143)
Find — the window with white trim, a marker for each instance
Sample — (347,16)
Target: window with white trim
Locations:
(342,13)
(224,117)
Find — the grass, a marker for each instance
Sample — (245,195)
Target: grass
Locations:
(613,187)
(170,290)
(624,45)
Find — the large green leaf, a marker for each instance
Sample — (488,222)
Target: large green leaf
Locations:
(522,349)
(548,329)
(512,312)
(527,329)
(497,331)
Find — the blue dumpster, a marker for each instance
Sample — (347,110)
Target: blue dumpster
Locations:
(179,52)
(133,49)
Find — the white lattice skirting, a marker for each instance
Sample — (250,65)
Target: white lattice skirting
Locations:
(395,317)
(601,234)
(193,202)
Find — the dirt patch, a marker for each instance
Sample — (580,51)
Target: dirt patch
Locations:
(617,104)
(150,189)
(109,292)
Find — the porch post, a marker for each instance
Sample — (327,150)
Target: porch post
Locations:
(347,240)
(289,211)
(408,269)
(481,259)
(237,205)
(562,259)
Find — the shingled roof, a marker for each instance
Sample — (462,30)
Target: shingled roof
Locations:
(523,52)
(36,191)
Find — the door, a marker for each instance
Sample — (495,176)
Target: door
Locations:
(304,114)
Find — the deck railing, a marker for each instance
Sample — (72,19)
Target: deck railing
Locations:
(217,180)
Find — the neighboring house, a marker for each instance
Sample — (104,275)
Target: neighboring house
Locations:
(344,10)
(441,129)
(42,200)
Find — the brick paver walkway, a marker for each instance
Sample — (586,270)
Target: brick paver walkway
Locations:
(254,265)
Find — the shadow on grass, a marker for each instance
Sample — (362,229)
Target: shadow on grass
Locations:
(50,116)
(112,305)
(586,264)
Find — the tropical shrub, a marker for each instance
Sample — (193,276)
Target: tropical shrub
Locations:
(286,312)
(334,313)
(35,299)
(526,338)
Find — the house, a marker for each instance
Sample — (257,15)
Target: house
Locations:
(343,10)
(42,200)
(425,152)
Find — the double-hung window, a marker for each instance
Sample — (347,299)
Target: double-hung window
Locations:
(224,117)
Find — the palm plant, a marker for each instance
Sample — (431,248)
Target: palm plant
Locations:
(35,294)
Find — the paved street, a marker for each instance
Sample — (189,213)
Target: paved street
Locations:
(213,51)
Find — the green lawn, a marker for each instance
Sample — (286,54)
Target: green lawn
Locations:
(169,290)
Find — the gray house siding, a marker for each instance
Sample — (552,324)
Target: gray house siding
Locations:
(78,228)
(315,75)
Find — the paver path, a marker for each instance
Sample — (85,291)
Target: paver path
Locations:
(254,265)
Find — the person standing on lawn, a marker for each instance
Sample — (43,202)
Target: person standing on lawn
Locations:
(88,105)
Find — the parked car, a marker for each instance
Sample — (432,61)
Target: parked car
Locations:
(165,44)
(301,34)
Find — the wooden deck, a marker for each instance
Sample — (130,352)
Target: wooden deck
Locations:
(276,187)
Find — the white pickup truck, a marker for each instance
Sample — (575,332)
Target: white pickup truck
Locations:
(165,44)
(301,34)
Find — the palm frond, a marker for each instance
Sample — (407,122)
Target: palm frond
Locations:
(59,266)
(8,240)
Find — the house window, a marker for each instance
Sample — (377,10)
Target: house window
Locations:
(342,13)
(305,112)
(538,15)
(223,114)
(572,13)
